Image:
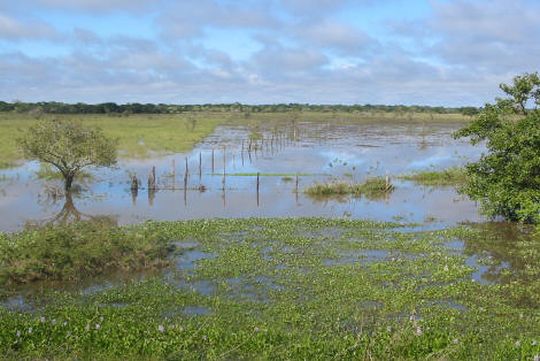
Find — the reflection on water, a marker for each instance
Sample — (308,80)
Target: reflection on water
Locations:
(218,178)
(68,212)
(506,252)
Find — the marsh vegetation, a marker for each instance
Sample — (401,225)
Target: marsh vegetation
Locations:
(394,270)
(371,188)
(307,288)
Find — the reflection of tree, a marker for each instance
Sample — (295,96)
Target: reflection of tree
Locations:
(69,213)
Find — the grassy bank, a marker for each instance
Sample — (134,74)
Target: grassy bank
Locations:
(295,289)
(446,177)
(372,188)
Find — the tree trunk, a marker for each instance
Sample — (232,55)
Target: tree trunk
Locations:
(68,181)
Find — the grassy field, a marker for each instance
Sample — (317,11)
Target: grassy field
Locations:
(143,135)
(139,135)
(290,289)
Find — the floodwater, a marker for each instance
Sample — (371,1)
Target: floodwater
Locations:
(316,151)
(307,152)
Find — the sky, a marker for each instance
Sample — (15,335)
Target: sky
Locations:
(427,52)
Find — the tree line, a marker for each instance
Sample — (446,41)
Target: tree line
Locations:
(149,108)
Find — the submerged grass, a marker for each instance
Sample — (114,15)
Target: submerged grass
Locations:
(372,188)
(289,289)
(446,177)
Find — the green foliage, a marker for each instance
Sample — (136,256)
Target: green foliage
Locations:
(446,177)
(47,172)
(68,146)
(506,180)
(245,109)
(296,289)
(73,251)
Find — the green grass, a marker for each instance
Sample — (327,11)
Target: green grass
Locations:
(295,289)
(139,135)
(372,188)
(447,177)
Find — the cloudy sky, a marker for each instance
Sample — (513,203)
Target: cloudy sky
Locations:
(432,52)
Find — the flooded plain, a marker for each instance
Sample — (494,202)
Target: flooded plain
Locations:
(221,179)
(264,263)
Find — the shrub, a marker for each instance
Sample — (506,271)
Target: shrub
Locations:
(506,180)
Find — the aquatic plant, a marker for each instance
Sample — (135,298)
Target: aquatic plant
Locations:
(446,177)
(371,188)
(293,289)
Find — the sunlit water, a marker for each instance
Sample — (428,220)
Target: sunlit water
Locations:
(317,151)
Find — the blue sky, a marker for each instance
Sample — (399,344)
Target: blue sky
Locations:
(432,52)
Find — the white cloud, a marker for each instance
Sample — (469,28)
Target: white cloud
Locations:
(14,29)
(303,52)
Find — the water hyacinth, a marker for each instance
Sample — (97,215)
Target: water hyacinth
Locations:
(355,308)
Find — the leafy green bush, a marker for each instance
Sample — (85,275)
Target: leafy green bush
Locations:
(72,251)
(506,180)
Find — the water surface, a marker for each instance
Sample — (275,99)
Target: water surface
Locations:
(317,151)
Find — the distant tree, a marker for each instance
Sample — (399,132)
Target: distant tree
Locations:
(506,180)
(469,111)
(68,146)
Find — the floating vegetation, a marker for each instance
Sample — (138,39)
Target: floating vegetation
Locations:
(447,177)
(281,289)
(372,188)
